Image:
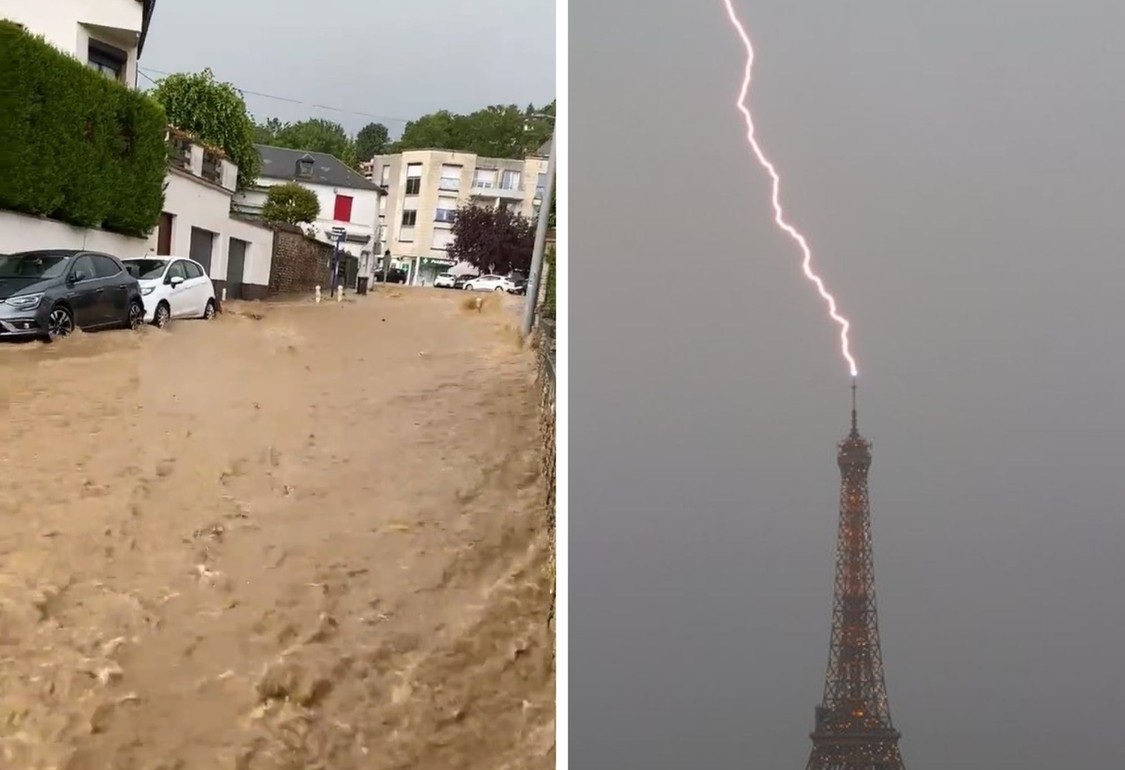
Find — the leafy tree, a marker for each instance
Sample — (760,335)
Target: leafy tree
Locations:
(266,133)
(493,239)
(498,131)
(290,203)
(371,140)
(317,135)
(438,129)
(215,114)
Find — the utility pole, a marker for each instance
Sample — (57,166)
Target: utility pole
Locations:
(540,242)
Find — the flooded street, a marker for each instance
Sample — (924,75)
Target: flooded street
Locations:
(298,536)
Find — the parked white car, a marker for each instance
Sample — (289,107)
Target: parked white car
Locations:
(173,287)
(488,283)
(444,281)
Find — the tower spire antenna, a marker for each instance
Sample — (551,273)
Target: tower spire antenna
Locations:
(855,420)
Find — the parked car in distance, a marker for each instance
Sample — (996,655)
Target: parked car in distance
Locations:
(445,281)
(394,275)
(460,281)
(173,287)
(488,283)
(50,293)
(518,281)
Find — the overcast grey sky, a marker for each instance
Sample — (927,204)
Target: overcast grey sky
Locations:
(397,59)
(959,169)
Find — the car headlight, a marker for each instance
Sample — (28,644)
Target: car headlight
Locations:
(25,301)
(146,290)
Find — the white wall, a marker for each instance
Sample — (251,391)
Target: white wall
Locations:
(19,232)
(365,210)
(59,22)
(194,203)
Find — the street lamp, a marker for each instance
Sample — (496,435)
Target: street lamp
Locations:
(540,236)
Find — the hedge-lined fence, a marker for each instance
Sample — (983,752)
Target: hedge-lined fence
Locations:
(76,146)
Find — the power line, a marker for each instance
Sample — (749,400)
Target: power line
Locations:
(288,99)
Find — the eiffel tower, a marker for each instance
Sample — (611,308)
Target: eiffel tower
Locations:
(853,729)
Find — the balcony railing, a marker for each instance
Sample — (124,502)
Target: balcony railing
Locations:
(445,215)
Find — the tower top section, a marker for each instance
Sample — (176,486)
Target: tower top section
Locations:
(854,452)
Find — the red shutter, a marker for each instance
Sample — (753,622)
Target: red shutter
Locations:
(343,208)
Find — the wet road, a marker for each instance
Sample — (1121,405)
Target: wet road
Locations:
(298,536)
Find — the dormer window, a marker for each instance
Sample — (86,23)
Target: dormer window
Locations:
(305,167)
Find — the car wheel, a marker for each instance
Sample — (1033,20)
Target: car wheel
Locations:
(136,315)
(499,288)
(209,311)
(162,315)
(60,323)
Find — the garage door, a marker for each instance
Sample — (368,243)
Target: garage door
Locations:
(202,246)
(236,267)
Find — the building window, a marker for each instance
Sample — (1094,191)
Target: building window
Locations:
(382,205)
(442,239)
(446,210)
(409,218)
(510,180)
(413,178)
(450,178)
(484,177)
(386,175)
(304,167)
(107,60)
(343,212)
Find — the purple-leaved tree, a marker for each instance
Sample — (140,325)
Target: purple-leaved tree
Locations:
(494,240)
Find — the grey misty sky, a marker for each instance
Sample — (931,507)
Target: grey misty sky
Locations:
(397,59)
(958,168)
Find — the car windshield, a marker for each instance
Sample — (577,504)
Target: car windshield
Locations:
(142,269)
(37,265)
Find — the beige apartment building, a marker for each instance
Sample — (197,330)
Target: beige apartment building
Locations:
(426,187)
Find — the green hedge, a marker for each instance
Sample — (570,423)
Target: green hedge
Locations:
(76,146)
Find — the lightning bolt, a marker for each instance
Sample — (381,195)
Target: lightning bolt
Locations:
(778,215)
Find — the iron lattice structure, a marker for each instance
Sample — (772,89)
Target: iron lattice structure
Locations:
(853,729)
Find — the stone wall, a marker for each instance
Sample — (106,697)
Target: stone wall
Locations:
(300,263)
(545,377)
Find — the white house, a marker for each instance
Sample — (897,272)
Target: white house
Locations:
(197,222)
(108,35)
(349,203)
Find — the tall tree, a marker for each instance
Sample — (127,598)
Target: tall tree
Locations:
(495,240)
(317,135)
(499,131)
(266,133)
(438,129)
(371,140)
(215,114)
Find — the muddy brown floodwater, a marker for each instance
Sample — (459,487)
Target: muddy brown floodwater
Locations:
(299,536)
